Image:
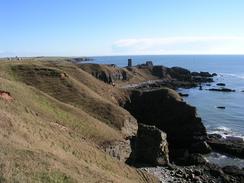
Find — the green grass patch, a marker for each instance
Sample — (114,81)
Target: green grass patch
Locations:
(53,177)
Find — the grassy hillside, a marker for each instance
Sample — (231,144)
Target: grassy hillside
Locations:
(57,81)
(52,129)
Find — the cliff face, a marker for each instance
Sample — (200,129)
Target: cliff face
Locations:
(164,109)
(106,73)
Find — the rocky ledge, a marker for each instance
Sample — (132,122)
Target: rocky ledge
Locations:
(230,145)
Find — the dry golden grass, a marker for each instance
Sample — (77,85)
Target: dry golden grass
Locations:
(72,91)
(107,91)
(52,136)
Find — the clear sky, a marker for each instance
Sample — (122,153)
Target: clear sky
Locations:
(120,27)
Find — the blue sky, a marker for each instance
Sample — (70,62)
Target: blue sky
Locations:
(120,27)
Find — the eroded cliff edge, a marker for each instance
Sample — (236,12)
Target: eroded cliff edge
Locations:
(165,109)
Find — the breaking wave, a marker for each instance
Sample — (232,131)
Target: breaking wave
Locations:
(225,132)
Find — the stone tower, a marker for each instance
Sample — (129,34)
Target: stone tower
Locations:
(130,62)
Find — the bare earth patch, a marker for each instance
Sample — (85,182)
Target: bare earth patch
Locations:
(6,96)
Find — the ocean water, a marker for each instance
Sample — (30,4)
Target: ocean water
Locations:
(230,70)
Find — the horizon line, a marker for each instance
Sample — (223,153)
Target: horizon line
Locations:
(124,55)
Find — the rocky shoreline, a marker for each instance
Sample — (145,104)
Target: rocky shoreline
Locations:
(171,139)
(208,173)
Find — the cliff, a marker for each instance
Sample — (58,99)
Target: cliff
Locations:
(165,109)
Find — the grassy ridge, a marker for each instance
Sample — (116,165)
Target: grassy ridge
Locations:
(68,90)
(51,131)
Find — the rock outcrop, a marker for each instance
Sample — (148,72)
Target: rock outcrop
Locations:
(164,109)
(231,146)
(180,73)
(161,72)
(150,146)
(106,73)
(120,150)
(203,74)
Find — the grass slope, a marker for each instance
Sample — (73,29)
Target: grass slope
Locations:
(52,136)
(62,86)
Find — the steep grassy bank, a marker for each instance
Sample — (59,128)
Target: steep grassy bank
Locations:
(53,128)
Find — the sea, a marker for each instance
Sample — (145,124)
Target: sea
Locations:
(230,70)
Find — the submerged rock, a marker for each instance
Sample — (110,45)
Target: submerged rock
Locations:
(183,94)
(220,107)
(221,89)
(221,84)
